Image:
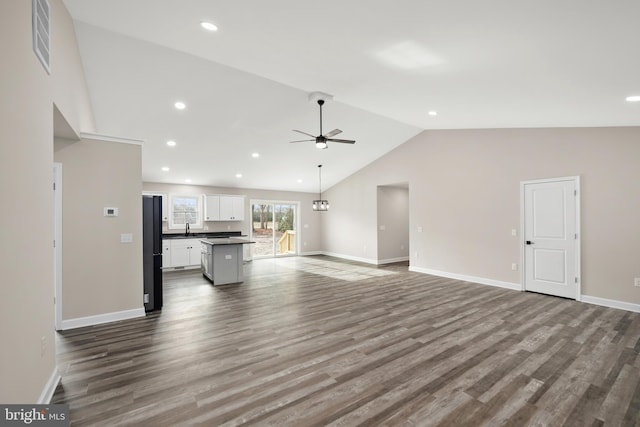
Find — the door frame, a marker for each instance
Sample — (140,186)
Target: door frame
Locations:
(578,240)
(276,202)
(57,251)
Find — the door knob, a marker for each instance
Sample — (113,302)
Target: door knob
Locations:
(529,242)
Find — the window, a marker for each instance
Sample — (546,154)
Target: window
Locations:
(185,209)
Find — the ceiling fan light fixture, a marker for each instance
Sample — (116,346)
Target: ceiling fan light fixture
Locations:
(321,145)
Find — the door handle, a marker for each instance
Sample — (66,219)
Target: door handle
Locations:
(529,242)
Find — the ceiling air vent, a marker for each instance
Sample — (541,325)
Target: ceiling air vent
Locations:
(41,32)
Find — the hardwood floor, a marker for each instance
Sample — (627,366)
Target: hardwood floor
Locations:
(319,341)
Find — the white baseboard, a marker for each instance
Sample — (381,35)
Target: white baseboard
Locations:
(311,253)
(186,267)
(351,258)
(102,318)
(392,260)
(49,388)
(474,279)
(611,303)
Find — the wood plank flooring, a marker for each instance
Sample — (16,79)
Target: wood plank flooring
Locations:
(317,341)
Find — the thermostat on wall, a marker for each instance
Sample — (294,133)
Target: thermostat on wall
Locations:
(110,211)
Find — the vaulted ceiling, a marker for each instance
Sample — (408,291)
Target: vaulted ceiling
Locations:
(495,63)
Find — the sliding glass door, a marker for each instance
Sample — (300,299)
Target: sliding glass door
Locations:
(273,228)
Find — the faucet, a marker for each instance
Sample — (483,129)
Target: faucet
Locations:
(186,229)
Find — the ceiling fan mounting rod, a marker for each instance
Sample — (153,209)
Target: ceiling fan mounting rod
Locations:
(320,103)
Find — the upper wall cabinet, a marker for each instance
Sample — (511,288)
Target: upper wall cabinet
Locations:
(212,208)
(231,208)
(165,203)
(223,208)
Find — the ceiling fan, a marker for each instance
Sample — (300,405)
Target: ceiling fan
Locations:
(321,140)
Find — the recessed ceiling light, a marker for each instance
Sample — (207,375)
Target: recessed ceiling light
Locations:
(255,155)
(633,98)
(238,175)
(299,181)
(188,181)
(171,143)
(180,105)
(165,169)
(433,113)
(208,26)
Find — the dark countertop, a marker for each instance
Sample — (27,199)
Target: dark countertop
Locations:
(203,235)
(227,241)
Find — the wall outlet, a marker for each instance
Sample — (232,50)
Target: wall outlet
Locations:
(514,266)
(514,232)
(228,227)
(419,229)
(145,299)
(364,248)
(636,282)
(206,228)
(126,238)
(401,246)
(43,346)
(416,254)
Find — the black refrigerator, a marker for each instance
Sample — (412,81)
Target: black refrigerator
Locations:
(152,251)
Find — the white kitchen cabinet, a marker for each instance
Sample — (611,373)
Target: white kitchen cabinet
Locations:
(231,208)
(166,254)
(212,208)
(185,252)
(165,203)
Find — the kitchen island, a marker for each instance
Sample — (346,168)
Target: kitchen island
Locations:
(222,258)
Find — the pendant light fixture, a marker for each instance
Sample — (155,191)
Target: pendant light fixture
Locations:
(320,205)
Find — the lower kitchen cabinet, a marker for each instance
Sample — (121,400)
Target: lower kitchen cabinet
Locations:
(166,254)
(184,252)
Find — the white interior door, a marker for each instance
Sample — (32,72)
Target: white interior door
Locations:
(551,238)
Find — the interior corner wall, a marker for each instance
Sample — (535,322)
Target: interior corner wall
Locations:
(101,275)
(26,157)
(27,97)
(464,189)
(393,224)
(70,93)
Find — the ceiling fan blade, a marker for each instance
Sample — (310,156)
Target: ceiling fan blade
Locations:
(304,133)
(344,141)
(332,133)
(304,140)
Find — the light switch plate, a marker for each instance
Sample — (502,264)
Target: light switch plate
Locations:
(126,238)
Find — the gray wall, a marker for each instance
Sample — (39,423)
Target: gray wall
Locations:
(27,98)
(100,274)
(464,193)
